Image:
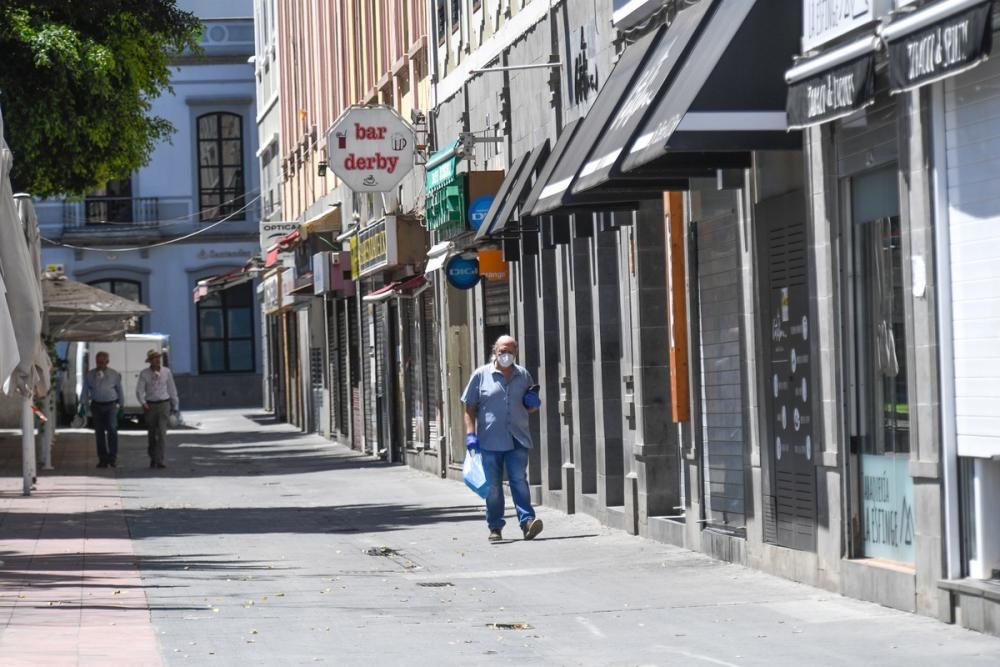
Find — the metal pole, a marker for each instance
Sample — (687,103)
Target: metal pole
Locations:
(27,444)
(48,430)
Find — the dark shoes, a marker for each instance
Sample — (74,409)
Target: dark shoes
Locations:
(154,464)
(531,528)
(113,464)
(102,464)
(495,535)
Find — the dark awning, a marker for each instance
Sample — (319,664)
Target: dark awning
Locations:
(562,143)
(937,41)
(729,93)
(556,191)
(503,194)
(833,85)
(669,49)
(519,191)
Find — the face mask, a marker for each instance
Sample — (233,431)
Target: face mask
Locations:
(505,359)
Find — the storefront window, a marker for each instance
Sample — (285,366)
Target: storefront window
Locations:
(225,331)
(881,404)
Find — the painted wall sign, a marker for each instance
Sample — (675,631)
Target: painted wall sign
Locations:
(825,20)
(887,502)
(462,272)
(922,52)
(832,94)
(478,210)
(371,148)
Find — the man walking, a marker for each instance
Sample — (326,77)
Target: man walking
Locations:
(497,401)
(158,395)
(102,397)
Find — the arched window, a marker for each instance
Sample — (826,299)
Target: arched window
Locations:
(127,289)
(225,331)
(220,166)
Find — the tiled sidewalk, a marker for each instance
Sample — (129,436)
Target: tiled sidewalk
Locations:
(70,589)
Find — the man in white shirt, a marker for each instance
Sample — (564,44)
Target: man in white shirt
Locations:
(158,395)
(102,397)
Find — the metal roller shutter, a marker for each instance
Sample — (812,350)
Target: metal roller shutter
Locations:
(972,106)
(790,485)
(432,388)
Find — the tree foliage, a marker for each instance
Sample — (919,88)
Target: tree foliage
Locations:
(76,84)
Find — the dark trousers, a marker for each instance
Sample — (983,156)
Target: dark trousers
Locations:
(105,430)
(156,430)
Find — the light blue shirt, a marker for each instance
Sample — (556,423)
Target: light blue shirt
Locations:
(102,386)
(500,413)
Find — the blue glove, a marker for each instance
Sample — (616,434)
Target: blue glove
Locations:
(532,400)
(472,442)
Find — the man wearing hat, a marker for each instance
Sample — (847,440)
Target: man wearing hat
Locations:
(158,395)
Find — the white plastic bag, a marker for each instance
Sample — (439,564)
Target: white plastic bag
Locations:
(473,473)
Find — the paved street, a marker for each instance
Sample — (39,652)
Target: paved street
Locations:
(258,545)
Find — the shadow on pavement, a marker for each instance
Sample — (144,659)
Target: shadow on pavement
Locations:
(195,454)
(175,522)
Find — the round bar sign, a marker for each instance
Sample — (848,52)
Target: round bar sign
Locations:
(371,148)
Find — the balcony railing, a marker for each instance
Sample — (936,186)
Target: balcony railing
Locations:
(127,212)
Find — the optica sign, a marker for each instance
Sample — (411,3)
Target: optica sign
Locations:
(462,272)
(370,148)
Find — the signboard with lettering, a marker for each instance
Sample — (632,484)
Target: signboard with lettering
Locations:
(478,210)
(887,503)
(272,294)
(462,272)
(832,94)
(825,20)
(371,148)
(925,47)
(374,247)
(271,232)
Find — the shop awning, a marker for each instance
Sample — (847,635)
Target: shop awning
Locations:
(562,143)
(80,312)
(381,294)
(937,41)
(556,192)
(444,196)
(659,63)
(222,281)
(502,195)
(518,184)
(437,256)
(327,221)
(728,94)
(832,85)
(284,244)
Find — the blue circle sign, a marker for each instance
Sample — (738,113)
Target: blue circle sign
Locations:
(478,210)
(462,272)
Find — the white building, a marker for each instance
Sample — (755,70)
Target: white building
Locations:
(193,212)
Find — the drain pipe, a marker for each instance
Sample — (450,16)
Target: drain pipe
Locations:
(946,339)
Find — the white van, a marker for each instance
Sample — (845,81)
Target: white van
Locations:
(128,357)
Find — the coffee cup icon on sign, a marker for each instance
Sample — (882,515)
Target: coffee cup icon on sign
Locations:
(369,180)
(341,140)
(398,142)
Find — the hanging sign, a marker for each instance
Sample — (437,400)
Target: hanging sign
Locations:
(492,265)
(371,148)
(925,47)
(374,247)
(478,210)
(832,94)
(462,272)
(272,232)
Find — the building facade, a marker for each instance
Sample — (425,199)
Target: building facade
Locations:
(191,213)
(746,249)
